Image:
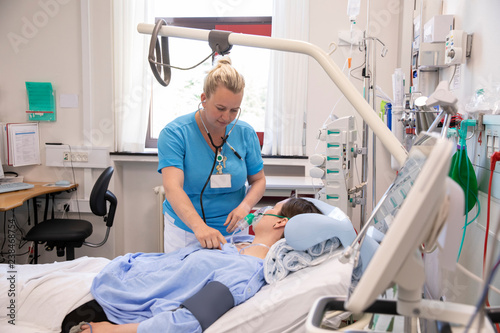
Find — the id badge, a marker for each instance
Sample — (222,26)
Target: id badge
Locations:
(220,181)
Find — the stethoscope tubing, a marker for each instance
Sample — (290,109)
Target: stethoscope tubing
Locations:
(224,139)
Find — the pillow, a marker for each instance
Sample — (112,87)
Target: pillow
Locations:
(306,230)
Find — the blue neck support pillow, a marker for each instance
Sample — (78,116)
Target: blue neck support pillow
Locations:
(306,230)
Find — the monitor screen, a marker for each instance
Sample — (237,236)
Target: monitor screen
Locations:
(415,195)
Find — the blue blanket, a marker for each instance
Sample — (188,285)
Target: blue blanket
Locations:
(149,287)
(283,259)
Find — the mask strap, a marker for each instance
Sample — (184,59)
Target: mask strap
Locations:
(283,217)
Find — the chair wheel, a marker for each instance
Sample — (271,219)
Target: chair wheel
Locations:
(60,251)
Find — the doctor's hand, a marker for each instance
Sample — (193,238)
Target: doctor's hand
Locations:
(237,214)
(208,237)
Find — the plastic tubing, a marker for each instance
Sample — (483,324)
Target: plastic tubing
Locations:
(462,132)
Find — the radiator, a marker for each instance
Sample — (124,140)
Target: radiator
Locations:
(160,195)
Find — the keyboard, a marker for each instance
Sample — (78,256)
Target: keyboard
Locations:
(11,187)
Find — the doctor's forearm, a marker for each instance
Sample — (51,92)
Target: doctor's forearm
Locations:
(183,207)
(173,183)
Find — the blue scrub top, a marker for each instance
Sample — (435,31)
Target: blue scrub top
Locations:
(181,144)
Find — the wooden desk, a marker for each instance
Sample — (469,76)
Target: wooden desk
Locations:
(11,200)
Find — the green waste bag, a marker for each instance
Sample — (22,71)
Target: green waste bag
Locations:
(462,172)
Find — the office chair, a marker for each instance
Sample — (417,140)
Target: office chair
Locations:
(66,234)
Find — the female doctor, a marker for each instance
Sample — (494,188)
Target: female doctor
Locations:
(205,158)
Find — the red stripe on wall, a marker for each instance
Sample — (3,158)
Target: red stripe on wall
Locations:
(252,29)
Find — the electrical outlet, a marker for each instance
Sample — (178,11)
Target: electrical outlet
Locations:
(75,156)
(62,206)
(83,157)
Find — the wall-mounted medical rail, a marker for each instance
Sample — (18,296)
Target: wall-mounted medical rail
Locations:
(333,71)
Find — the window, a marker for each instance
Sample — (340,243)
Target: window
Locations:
(182,95)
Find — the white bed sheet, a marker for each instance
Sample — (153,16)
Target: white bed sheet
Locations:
(283,306)
(46,293)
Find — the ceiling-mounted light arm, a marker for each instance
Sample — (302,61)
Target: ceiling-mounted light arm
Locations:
(219,41)
(333,71)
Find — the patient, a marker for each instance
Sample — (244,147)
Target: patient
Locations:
(144,292)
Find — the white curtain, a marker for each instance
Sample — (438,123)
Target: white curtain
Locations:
(132,79)
(287,95)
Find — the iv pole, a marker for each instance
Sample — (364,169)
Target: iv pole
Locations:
(369,47)
(333,71)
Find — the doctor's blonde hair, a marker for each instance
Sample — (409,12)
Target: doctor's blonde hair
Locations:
(223,74)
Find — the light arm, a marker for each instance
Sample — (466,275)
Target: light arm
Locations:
(346,87)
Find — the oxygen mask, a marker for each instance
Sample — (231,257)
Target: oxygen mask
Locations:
(252,219)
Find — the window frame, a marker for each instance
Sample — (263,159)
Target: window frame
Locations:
(206,23)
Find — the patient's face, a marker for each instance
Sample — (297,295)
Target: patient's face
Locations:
(267,222)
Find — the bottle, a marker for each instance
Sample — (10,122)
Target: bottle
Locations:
(353,7)
(252,218)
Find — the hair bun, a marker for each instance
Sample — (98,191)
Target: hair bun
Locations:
(223,73)
(225,60)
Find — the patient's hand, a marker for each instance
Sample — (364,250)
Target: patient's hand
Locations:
(107,327)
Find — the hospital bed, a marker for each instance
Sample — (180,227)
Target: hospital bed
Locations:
(45,294)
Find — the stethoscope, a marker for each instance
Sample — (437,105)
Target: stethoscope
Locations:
(224,139)
(217,148)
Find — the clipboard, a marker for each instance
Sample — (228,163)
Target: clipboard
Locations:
(21,144)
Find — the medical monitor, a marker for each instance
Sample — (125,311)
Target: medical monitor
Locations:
(403,218)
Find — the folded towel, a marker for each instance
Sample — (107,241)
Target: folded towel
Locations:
(283,259)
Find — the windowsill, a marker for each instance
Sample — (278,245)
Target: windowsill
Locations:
(288,166)
(147,151)
(282,157)
(148,156)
